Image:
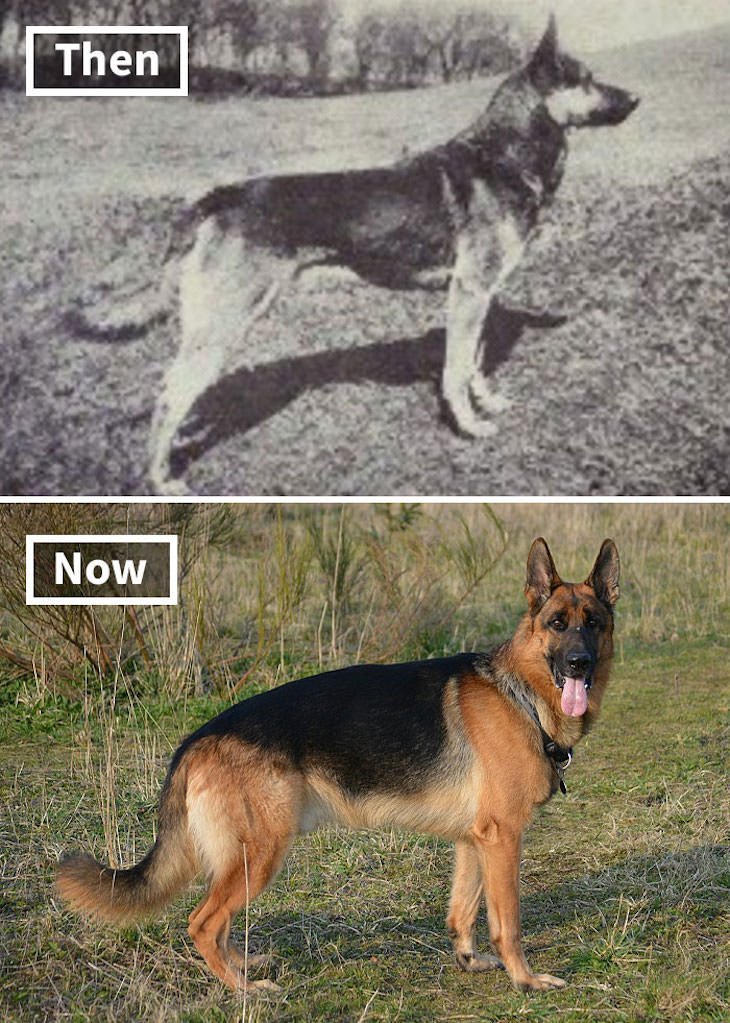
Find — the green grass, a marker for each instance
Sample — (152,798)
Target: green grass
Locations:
(626,880)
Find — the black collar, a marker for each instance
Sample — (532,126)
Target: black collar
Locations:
(560,756)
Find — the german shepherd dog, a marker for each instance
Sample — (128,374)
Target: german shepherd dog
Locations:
(463,747)
(462,211)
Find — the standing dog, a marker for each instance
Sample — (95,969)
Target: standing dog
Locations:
(464,747)
(463,211)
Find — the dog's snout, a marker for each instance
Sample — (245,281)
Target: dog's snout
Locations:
(579,662)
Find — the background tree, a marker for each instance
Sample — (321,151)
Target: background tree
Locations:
(288,45)
(248,23)
(368,42)
(313,23)
(408,44)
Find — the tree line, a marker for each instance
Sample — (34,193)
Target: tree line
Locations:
(299,46)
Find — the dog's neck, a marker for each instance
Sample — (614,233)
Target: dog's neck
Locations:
(517,129)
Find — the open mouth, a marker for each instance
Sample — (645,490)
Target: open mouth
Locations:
(573,694)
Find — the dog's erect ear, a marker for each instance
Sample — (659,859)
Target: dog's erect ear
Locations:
(542,576)
(546,54)
(604,575)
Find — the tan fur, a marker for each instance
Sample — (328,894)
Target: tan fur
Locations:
(572,106)
(516,778)
(117,895)
(243,815)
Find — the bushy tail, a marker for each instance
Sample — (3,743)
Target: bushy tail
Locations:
(116,316)
(125,895)
(118,312)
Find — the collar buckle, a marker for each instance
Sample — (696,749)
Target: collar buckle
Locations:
(562,758)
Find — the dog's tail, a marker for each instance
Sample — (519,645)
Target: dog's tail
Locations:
(116,315)
(118,312)
(125,895)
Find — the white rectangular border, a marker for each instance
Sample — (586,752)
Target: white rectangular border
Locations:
(31,31)
(497,499)
(32,539)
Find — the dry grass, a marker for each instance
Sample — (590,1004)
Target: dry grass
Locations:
(270,592)
(626,880)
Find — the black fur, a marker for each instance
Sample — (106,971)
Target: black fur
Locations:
(389,223)
(374,727)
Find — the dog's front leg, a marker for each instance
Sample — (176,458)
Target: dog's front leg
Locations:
(509,239)
(466,896)
(484,260)
(500,848)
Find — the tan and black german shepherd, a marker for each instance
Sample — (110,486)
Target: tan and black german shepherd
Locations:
(464,747)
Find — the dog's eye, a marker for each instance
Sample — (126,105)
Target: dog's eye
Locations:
(592,622)
(557,623)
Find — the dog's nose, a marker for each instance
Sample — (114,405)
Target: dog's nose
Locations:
(579,663)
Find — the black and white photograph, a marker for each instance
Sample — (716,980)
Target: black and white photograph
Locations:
(391,247)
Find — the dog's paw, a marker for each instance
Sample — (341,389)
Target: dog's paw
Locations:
(478,964)
(458,408)
(539,982)
(264,987)
(485,398)
(254,961)
(475,427)
(238,980)
(169,487)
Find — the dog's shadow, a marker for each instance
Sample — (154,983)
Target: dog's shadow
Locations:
(247,397)
(685,881)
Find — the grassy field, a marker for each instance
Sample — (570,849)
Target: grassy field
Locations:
(626,398)
(625,880)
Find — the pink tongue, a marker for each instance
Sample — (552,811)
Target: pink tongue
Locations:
(574,700)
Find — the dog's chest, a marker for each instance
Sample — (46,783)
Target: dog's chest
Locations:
(555,175)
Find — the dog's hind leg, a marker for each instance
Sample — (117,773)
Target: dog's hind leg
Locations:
(225,287)
(466,896)
(243,814)
(210,924)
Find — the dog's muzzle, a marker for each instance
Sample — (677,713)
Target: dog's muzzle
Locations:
(617,106)
(574,692)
